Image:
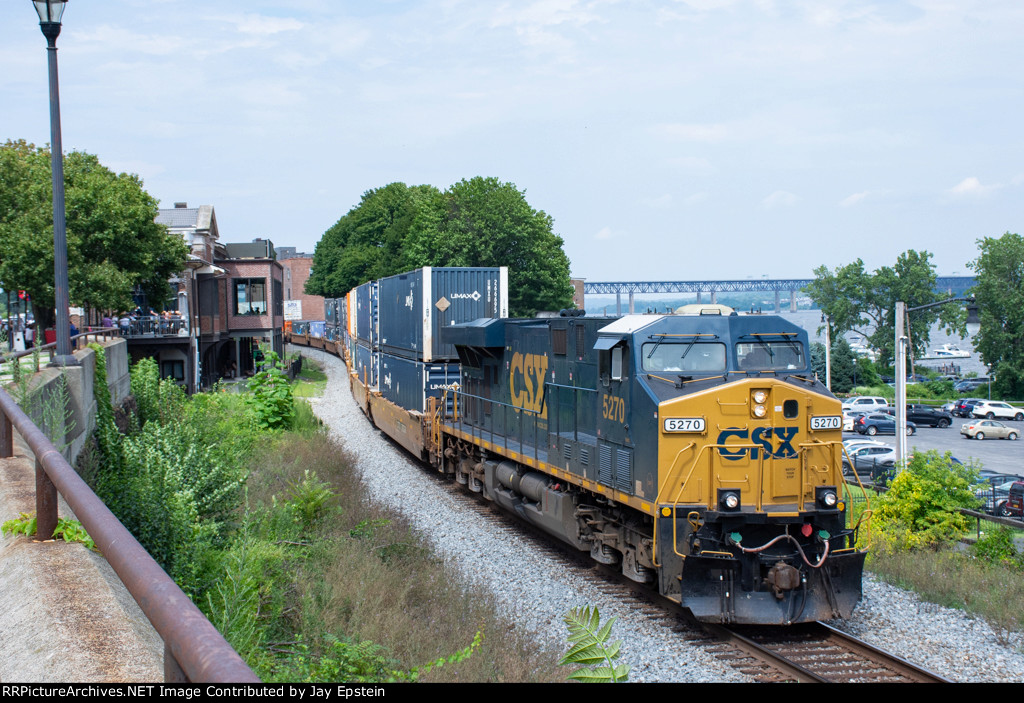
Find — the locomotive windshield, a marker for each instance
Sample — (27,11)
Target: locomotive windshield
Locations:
(700,357)
(771,356)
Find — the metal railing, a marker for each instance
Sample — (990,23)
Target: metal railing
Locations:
(193,648)
(103,333)
(155,327)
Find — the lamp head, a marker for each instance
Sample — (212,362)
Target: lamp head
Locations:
(50,12)
(973,319)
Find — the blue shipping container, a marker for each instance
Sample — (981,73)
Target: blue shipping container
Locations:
(408,383)
(366,366)
(413,307)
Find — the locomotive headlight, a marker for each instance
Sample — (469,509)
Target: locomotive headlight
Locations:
(760,411)
(827,497)
(760,397)
(728,499)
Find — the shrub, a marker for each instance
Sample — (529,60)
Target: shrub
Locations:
(271,395)
(922,506)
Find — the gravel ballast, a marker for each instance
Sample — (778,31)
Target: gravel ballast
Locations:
(537,589)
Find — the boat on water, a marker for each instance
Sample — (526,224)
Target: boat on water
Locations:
(861,350)
(947,351)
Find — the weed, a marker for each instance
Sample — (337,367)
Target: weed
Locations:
(588,639)
(67,530)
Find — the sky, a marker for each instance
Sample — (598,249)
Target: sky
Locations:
(669,140)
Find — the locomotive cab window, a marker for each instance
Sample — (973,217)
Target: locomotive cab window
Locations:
(701,357)
(771,356)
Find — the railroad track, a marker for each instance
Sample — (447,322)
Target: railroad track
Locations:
(818,653)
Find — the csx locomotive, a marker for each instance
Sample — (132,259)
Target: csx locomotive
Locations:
(697,452)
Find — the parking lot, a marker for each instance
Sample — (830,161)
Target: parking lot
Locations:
(1000,455)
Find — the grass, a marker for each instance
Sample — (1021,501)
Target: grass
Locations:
(311,381)
(956,579)
(367,576)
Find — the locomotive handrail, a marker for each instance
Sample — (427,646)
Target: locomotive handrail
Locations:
(759,503)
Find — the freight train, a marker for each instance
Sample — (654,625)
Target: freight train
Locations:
(695,451)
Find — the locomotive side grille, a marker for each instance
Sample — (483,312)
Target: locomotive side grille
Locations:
(604,468)
(567,451)
(584,456)
(624,470)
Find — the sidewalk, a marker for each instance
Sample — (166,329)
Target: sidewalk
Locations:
(66,615)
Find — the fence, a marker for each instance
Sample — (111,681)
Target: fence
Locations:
(193,648)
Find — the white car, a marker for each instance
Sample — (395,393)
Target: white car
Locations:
(865,404)
(994,408)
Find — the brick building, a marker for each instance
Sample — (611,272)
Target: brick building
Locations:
(230,300)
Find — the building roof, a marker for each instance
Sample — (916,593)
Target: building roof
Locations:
(178,216)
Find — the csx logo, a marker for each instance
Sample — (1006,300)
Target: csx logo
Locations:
(526,382)
(776,442)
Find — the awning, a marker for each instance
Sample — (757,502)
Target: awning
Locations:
(603,343)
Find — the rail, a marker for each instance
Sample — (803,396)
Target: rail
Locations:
(100,333)
(193,648)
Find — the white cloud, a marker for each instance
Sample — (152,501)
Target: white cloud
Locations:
(851,200)
(780,198)
(694,199)
(661,202)
(972,188)
(604,234)
(693,132)
(264,26)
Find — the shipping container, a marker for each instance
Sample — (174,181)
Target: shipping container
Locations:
(408,383)
(366,313)
(413,307)
(316,328)
(366,365)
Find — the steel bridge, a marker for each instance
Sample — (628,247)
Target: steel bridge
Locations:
(947,285)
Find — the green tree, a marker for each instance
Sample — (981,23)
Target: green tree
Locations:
(1000,297)
(113,242)
(476,222)
(854,300)
(368,242)
(844,367)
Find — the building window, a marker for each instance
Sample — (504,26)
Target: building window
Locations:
(250,296)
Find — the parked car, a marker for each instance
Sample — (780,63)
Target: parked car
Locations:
(917,378)
(995,408)
(853,442)
(970,384)
(869,460)
(996,498)
(963,406)
(927,415)
(990,429)
(876,423)
(1015,502)
(865,403)
(849,417)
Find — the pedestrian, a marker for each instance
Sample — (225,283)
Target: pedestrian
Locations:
(74,333)
(30,335)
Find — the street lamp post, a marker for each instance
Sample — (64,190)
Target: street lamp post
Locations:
(902,343)
(50,12)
